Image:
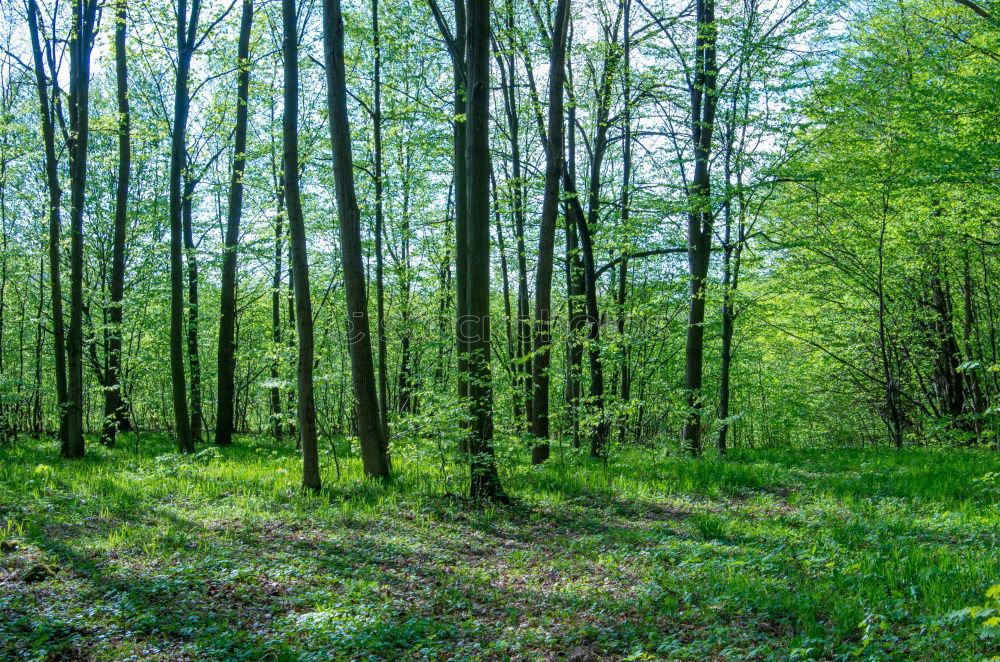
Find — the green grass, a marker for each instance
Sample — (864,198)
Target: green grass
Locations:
(768,555)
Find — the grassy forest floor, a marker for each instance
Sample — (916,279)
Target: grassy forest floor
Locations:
(768,555)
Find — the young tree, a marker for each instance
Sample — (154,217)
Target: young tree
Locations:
(186,35)
(115,416)
(227,314)
(383,360)
(374,445)
(299,258)
(485,481)
(701,217)
(81,42)
(457,45)
(47,113)
(546,235)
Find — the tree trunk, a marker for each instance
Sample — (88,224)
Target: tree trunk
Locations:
(276,411)
(512,363)
(599,435)
(574,284)
(194,355)
(456,48)
(406,368)
(700,216)
(523,362)
(36,408)
(55,231)
(546,237)
(484,479)
(80,44)
(299,258)
(187,28)
(115,416)
(383,368)
(374,444)
(624,369)
(227,315)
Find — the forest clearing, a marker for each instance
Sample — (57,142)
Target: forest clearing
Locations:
(769,555)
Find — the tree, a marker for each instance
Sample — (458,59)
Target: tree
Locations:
(299,257)
(115,414)
(186,37)
(227,315)
(46,113)
(701,217)
(383,370)
(81,42)
(374,445)
(457,46)
(485,481)
(546,236)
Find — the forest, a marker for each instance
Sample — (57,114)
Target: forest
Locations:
(514,330)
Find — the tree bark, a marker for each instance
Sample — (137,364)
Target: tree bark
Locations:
(484,479)
(299,258)
(700,215)
(599,434)
(546,237)
(227,315)
(456,48)
(187,28)
(383,368)
(81,41)
(625,375)
(194,355)
(374,444)
(276,411)
(523,363)
(55,231)
(115,415)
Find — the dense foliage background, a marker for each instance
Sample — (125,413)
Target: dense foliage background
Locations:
(853,170)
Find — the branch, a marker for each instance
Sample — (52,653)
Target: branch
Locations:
(640,254)
(976,8)
(442,24)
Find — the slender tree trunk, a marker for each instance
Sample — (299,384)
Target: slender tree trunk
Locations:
(406,368)
(892,403)
(979,404)
(276,411)
(383,368)
(299,258)
(947,375)
(374,444)
(507,309)
(187,28)
(624,370)
(115,416)
(194,354)
(574,284)
(523,363)
(292,340)
(55,231)
(485,481)
(227,315)
(700,216)
(599,434)
(36,409)
(5,415)
(546,237)
(577,321)
(456,48)
(80,45)
(730,274)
